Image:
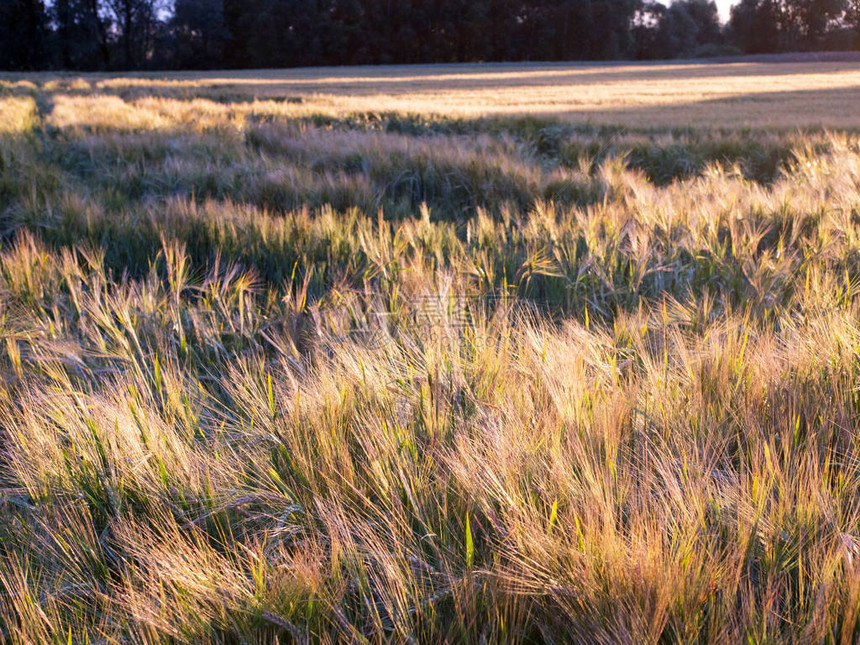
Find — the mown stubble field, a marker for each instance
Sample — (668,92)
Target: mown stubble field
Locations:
(497,353)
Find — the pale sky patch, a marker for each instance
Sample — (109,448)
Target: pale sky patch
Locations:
(725,9)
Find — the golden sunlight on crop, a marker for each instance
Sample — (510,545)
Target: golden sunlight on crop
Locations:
(409,354)
(782,95)
(16,114)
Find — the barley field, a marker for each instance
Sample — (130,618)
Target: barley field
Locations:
(466,354)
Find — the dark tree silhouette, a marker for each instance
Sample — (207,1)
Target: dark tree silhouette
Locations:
(135,22)
(142,34)
(80,35)
(23,34)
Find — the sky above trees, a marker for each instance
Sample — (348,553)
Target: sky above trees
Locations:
(724,7)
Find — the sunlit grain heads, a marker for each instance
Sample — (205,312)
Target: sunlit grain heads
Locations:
(288,371)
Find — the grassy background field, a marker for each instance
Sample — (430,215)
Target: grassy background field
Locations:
(431,355)
(744,94)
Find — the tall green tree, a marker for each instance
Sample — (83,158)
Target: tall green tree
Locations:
(806,22)
(706,18)
(23,35)
(755,26)
(81,40)
(200,33)
(852,18)
(134,22)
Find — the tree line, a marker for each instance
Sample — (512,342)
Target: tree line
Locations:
(200,34)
